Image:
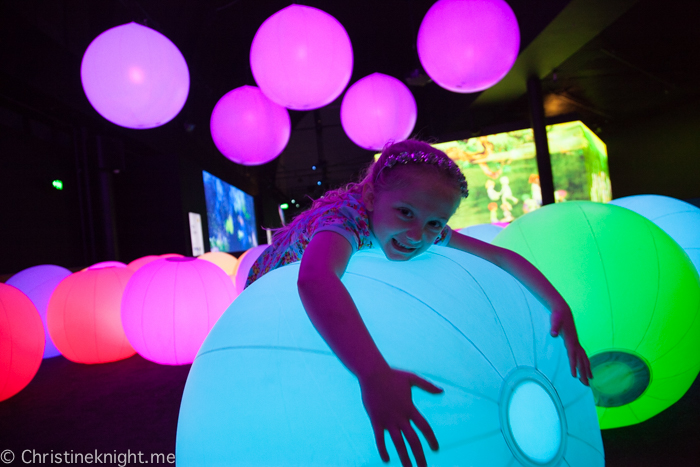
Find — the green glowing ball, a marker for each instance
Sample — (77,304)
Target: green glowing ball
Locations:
(635,296)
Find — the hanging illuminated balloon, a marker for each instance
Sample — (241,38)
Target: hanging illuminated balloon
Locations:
(301,58)
(483,232)
(245,262)
(468,45)
(84,315)
(135,77)
(378,109)
(21,341)
(265,378)
(635,296)
(38,283)
(170,305)
(677,218)
(248,128)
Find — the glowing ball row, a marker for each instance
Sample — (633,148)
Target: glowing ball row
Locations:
(635,296)
(266,379)
(21,341)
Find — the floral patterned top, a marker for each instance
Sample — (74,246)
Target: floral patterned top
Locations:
(347,217)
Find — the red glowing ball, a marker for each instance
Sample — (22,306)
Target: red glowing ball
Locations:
(21,341)
(84,315)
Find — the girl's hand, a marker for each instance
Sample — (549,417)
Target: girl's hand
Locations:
(387,399)
(563,323)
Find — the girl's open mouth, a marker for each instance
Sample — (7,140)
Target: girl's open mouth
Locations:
(401,247)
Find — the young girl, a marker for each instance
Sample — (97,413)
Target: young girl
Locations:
(402,206)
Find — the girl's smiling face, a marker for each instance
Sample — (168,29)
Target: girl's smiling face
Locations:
(408,216)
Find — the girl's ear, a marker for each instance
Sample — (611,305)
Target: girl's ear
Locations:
(368,196)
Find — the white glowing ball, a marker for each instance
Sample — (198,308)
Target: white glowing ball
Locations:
(483,232)
(301,57)
(680,220)
(170,305)
(135,77)
(378,109)
(468,45)
(38,283)
(265,389)
(248,128)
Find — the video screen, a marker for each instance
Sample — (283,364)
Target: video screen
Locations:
(504,183)
(230,215)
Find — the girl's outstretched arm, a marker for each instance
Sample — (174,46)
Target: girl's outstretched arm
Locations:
(386,392)
(562,321)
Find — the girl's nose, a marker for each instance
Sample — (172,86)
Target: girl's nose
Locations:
(414,233)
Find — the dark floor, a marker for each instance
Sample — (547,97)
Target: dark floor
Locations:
(132,405)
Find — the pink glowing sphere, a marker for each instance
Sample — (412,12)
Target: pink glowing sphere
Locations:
(38,283)
(468,45)
(21,341)
(248,128)
(170,305)
(135,77)
(138,263)
(301,58)
(245,262)
(378,109)
(84,315)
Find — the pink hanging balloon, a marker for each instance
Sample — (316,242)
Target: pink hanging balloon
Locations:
(301,58)
(135,77)
(21,341)
(171,304)
(84,315)
(248,128)
(378,109)
(468,45)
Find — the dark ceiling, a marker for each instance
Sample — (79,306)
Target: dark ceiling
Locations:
(604,61)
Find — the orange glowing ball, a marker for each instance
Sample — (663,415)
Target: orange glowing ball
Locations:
(84,315)
(21,341)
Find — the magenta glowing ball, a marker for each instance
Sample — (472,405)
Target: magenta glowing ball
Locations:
(301,57)
(468,45)
(138,263)
(84,315)
(170,305)
(38,283)
(135,77)
(21,341)
(378,109)
(248,128)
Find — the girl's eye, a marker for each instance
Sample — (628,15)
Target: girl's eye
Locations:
(435,224)
(405,212)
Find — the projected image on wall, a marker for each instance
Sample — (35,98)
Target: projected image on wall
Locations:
(504,182)
(230,215)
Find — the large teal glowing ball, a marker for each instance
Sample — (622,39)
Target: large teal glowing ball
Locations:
(483,232)
(38,283)
(677,218)
(265,389)
(635,296)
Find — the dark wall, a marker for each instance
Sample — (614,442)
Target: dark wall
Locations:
(657,154)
